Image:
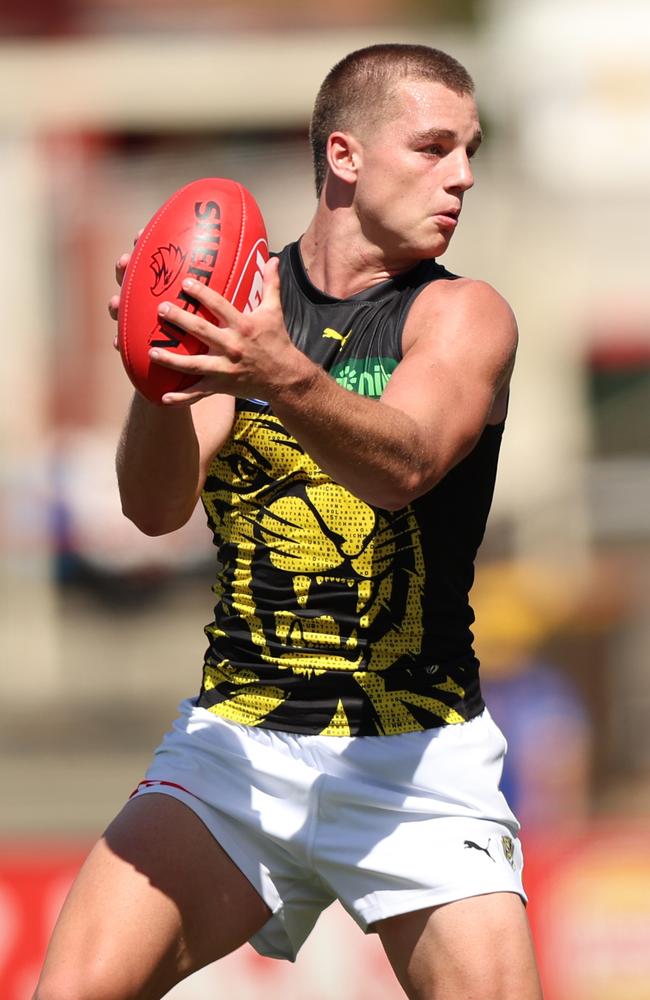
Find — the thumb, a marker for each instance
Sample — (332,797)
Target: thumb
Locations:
(271,291)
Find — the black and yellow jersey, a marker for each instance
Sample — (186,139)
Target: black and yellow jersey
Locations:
(333,616)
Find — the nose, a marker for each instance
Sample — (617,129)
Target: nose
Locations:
(460,176)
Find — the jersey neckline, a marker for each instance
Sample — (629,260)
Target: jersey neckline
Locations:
(373,294)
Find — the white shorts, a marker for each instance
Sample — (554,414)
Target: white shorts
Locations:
(386,824)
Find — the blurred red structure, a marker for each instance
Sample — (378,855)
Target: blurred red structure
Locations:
(589,908)
(34,880)
(590,912)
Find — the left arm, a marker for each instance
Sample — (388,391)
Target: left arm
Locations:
(459,346)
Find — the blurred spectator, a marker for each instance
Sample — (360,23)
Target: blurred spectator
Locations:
(93,543)
(540,711)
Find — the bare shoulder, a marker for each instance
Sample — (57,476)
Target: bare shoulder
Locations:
(462,314)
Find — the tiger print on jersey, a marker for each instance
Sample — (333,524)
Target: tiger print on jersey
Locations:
(315,586)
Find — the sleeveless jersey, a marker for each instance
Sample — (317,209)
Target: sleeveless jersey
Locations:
(335,617)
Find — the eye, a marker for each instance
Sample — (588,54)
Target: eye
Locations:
(434,150)
(234,471)
(242,467)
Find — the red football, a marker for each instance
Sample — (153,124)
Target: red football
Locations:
(211,230)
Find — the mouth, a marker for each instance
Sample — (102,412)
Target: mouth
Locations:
(448,219)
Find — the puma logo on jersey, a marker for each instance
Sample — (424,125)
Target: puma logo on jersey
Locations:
(477,847)
(335,335)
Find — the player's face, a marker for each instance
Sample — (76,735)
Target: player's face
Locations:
(415,169)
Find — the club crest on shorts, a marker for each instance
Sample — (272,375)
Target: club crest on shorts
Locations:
(508,846)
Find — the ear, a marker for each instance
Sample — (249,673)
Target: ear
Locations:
(343,156)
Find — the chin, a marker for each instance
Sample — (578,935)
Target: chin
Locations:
(442,245)
(428,247)
(434,244)
(434,249)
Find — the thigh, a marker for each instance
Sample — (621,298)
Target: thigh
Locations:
(479,948)
(156,899)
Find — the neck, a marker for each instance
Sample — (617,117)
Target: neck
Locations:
(337,257)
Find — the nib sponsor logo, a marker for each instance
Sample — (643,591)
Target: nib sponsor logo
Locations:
(166,264)
(365,376)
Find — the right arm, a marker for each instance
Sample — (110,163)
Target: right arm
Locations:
(163,459)
(164,454)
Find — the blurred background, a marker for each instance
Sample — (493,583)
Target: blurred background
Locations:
(108,107)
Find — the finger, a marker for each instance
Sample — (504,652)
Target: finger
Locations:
(208,333)
(213,302)
(120,267)
(115,344)
(113,306)
(138,235)
(190,394)
(185,398)
(189,364)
